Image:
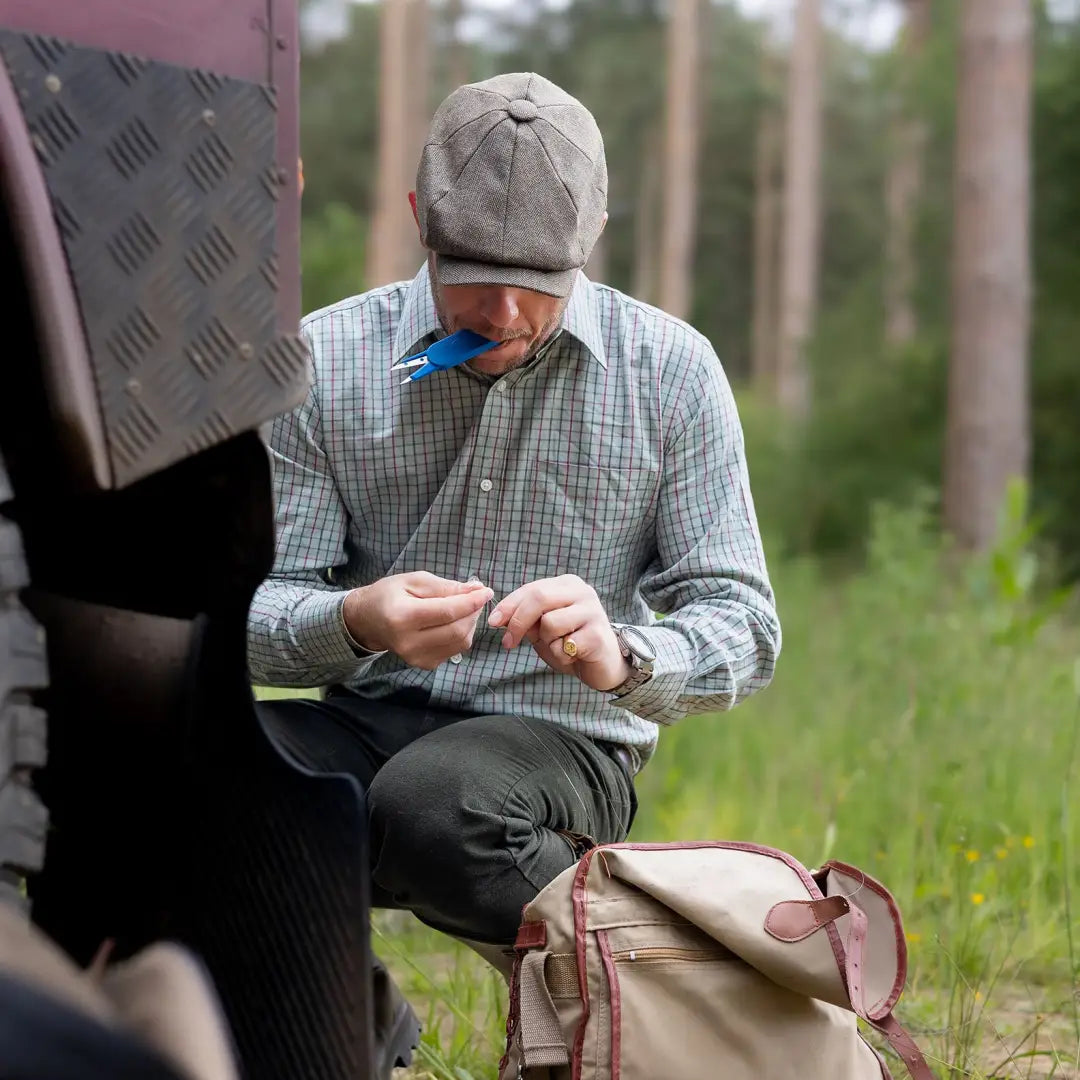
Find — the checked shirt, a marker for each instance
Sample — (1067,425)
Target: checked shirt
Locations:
(616,454)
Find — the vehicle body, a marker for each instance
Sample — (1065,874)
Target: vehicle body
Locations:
(149,212)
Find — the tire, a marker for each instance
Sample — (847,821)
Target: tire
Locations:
(23,672)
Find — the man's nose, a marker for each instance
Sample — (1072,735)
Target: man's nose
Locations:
(500,306)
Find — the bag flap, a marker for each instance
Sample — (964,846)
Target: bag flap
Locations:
(885,949)
(727,890)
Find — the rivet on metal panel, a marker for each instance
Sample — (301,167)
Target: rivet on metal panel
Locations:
(209,117)
(281,42)
(52,84)
(134,386)
(246,351)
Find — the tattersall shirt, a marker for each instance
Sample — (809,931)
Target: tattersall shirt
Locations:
(616,455)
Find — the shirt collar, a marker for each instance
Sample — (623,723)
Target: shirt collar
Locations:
(419,319)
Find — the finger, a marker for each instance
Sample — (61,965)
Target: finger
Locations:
(555,658)
(527,615)
(431,647)
(589,643)
(554,592)
(427,586)
(566,620)
(445,610)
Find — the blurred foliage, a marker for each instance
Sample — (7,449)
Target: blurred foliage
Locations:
(334,238)
(878,421)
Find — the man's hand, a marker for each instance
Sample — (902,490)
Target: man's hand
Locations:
(548,611)
(423,618)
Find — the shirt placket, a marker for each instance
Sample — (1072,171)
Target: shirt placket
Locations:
(484,492)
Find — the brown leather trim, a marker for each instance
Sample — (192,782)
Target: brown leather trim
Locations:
(888,1003)
(905,1046)
(531,935)
(616,1003)
(854,962)
(795,920)
(580,896)
(885,1074)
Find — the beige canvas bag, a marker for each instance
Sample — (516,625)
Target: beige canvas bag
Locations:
(727,960)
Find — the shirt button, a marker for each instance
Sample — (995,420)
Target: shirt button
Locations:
(456,658)
(501,386)
(485,484)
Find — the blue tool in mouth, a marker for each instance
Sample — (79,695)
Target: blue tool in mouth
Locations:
(446,353)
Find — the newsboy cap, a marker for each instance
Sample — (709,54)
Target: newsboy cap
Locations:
(512,185)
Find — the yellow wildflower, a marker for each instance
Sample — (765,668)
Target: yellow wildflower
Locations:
(977,897)
(971,855)
(913,938)
(1029,841)
(978,995)
(1001,853)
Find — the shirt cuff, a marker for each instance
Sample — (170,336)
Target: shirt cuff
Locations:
(319,632)
(658,699)
(358,649)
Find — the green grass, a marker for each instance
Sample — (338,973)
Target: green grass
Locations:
(922,725)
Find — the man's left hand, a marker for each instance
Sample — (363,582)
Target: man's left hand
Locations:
(549,611)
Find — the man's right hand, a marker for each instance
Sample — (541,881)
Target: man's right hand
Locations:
(422,618)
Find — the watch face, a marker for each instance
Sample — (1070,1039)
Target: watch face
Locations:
(638,643)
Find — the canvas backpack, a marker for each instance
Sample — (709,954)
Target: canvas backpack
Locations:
(726,960)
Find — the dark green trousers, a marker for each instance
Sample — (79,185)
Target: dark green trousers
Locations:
(470,816)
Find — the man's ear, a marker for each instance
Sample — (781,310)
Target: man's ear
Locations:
(415,214)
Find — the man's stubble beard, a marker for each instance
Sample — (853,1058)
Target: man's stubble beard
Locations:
(545,334)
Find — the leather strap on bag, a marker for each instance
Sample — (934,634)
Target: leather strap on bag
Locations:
(887,1025)
(795,920)
(541,1037)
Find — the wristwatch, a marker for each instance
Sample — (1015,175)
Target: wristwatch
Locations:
(635,647)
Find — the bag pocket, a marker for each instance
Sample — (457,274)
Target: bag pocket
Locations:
(684,1009)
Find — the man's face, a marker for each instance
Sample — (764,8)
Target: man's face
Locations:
(520,318)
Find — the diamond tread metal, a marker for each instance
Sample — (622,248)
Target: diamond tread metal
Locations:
(164,191)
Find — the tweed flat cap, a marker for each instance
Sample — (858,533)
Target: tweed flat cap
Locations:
(512,185)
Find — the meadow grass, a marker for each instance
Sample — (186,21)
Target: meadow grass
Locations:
(922,725)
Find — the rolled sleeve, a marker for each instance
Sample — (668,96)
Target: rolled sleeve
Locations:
(720,637)
(658,699)
(296,630)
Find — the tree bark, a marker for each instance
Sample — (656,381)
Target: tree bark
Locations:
(802,211)
(675,294)
(393,244)
(987,434)
(458,60)
(767,165)
(903,185)
(646,225)
(417,73)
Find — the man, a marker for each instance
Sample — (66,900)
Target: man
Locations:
(471,562)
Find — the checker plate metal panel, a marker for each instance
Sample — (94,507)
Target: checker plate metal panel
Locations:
(164,188)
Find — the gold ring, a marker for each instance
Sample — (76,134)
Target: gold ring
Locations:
(569,646)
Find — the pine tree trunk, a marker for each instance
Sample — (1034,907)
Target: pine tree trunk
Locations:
(675,293)
(903,185)
(417,73)
(392,182)
(458,59)
(802,211)
(767,165)
(646,225)
(987,434)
